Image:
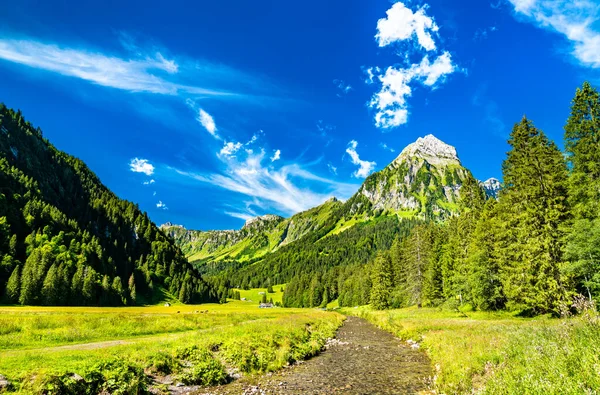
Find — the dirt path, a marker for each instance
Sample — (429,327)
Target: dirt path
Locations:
(361,360)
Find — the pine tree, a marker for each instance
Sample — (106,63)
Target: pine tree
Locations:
(417,259)
(118,292)
(534,207)
(381,279)
(483,261)
(582,144)
(13,287)
(50,291)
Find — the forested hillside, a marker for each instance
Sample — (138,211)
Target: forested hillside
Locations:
(65,239)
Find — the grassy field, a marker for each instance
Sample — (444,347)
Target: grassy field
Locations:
(122,350)
(499,353)
(254,295)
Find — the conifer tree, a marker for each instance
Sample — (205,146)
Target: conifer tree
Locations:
(534,207)
(582,144)
(50,288)
(381,279)
(483,261)
(13,287)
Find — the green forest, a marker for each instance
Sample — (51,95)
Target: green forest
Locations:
(531,250)
(65,239)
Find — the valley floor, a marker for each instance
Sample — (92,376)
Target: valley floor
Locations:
(362,359)
(74,350)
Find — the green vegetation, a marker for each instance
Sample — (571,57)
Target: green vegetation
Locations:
(65,239)
(127,350)
(498,353)
(255,295)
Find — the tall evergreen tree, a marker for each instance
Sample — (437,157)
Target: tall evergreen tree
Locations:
(582,144)
(534,207)
(13,287)
(381,280)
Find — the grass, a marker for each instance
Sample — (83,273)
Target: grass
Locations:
(497,353)
(42,347)
(254,295)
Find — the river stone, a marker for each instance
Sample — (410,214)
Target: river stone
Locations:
(4,383)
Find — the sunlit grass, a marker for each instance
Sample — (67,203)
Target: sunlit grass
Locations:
(498,353)
(254,295)
(45,343)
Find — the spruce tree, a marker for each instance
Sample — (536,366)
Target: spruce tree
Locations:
(50,288)
(483,261)
(534,208)
(13,287)
(582,144)
(381,278)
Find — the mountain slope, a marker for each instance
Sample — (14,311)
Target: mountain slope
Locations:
(423,182)
(66,239)
(256,238)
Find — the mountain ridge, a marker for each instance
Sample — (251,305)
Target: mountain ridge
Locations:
(423,181)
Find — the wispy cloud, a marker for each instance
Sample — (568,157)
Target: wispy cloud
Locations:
(578,21)
(138,165)
(386,147)
(343,87)
(244,216)
(483,33)
(152,72)
(332,168)
(288,189)
(276,156)
(364,167)
(401,26)
(161,205)
(150,182)
(207,121)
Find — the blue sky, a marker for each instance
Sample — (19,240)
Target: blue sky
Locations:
(207,113)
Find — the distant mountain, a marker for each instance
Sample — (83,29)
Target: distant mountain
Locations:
(423,182)
(256,238)
(492,187)
(65,238)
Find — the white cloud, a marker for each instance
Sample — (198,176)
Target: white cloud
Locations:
(149,182)
(403,24)
(391,101)
(154,193)
(138,165)
(161,205)
(577,20)
(276,156)
(207,121)
(386,147)
(289,189)
(230,148)
(244,216)
(150,72)
(332,168)
(364,167)
(343,87)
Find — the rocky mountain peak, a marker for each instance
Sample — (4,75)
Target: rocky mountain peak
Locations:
(432,149)
(492,186)
(262,219)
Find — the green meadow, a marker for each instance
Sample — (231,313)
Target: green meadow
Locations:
(500,353)
(74,350)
